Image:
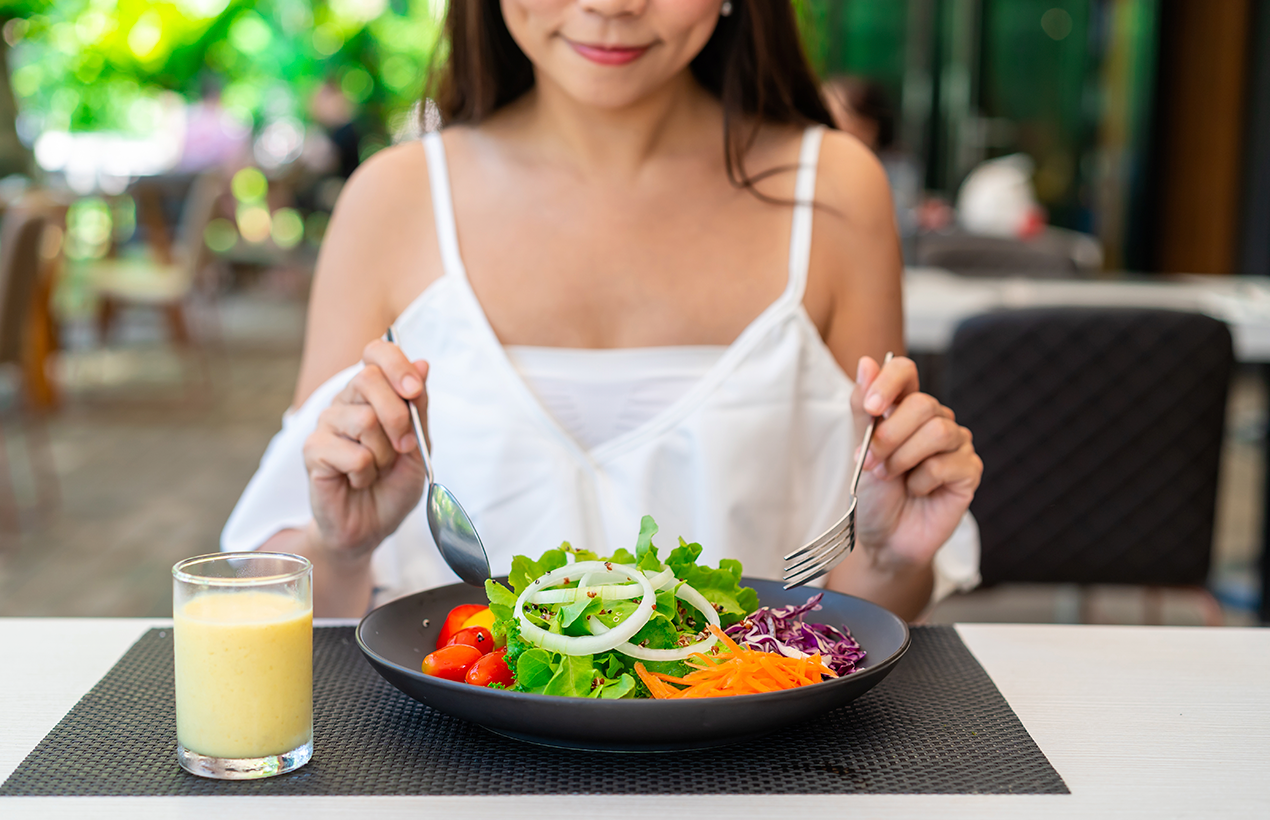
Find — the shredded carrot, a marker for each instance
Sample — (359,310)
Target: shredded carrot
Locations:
(735,670)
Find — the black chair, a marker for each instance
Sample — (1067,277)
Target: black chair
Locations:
(1100,431)
(1054,254)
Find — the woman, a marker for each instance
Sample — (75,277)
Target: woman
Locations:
(599,270)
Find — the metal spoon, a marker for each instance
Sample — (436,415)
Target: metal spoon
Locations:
(451,528)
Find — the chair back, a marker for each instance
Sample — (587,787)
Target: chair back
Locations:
(192,254)
(20,239)
(1055,254)
(1100,430)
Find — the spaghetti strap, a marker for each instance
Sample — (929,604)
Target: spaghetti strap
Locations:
(804,197)
(443,205)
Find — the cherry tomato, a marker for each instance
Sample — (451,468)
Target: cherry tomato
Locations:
(454,621)
(451,662)
(491,668)
(477,636)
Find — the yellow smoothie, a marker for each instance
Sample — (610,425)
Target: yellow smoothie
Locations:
(244,674)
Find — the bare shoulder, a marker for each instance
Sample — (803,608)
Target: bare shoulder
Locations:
(852,183)
(388,190)
(378,253)
(855,276)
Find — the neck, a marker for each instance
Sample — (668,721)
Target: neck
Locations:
(621,141)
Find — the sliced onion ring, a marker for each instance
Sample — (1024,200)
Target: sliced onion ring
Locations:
(690,596)
(585,644)
(661,580)
(605,592)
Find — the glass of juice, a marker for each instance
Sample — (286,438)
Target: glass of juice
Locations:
(243,634)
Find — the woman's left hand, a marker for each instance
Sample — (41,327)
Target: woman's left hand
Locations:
(921,470)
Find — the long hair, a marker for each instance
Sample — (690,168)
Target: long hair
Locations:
(753,63)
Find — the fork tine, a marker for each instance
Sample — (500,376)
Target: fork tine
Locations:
(820,540)
(814,572)
(795,567)
(828,535)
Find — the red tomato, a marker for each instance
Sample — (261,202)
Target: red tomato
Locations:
(454,621)
(451,662)
(491,668)
(477,636)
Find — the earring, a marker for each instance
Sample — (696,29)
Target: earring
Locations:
(726,9)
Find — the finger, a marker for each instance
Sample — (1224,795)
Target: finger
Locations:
(895,381)
(935,437)
(958,471)
(372,387)
(359,423)
(866,371)
(401,373)
(327,455)
(906,419)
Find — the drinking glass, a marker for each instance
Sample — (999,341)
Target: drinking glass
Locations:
(243,635)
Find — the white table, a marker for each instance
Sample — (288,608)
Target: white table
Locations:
(1140,722)
(936,301)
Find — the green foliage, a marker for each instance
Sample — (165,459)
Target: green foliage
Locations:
(103,64)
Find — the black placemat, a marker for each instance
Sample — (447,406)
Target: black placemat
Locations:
(936,725)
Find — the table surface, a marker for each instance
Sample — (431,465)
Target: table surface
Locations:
(936,301)
(1139,721)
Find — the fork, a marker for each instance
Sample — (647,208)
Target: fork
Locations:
(813,560)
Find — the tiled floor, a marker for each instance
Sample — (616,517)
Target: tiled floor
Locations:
(149,468)
(152,453)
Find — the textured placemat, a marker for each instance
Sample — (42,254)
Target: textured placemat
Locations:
(936,725)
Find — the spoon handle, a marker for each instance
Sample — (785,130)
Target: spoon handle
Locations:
(416,422)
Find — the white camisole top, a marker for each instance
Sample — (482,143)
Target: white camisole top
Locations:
(746,450)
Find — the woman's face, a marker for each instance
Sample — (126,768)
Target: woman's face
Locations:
(610,53)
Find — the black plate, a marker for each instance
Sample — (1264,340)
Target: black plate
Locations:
(395,641)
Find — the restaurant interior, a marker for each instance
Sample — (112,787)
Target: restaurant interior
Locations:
(210,588)
(167,171)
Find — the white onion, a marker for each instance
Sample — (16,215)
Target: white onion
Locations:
(688,595)
(606,592)
(585,644)
(660,581)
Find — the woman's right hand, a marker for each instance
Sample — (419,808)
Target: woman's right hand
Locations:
(365,470)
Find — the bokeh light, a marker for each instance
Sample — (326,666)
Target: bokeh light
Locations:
(249,186)
(254,223)
(288,228)
(220,235)
(88,229)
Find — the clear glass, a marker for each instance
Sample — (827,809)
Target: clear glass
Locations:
(243,634)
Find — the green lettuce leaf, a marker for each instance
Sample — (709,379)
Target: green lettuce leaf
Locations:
(502,601)
(525,570)
(534,670)
(622,687)
(573,677)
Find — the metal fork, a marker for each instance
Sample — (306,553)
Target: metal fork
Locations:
(824,553)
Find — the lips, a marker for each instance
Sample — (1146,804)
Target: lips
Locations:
(609,55)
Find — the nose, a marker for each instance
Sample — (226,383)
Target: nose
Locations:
(614,8)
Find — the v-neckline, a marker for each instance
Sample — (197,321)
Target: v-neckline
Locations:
(455,271)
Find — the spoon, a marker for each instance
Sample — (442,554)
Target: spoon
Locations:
(451,528)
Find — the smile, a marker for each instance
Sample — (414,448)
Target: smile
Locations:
(609,55)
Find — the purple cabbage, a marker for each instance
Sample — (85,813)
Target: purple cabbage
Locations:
(783,630)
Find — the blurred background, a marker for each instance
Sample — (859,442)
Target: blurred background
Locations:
(167,170)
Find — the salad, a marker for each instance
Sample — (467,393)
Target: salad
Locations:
(636,625)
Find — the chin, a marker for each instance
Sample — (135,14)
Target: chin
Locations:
(605,93)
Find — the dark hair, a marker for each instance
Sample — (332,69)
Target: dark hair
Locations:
(753,62)
(868,99)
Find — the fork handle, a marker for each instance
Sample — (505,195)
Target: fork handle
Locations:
(868,439)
